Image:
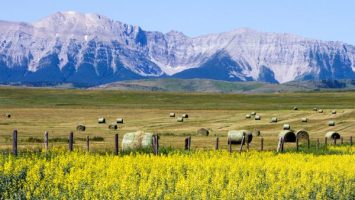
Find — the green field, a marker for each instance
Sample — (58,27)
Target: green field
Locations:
(60,110)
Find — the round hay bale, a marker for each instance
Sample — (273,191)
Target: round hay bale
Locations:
(180,119)
(315,109)
(288,135)
(8,115)
(256,132)
(320,111)
(80,127)
(136,140)
(203,131)
(295,108)
(101,120)
(304,119)
(286,127)
(253,113)
(331,123)
(302,135)
(257,117)
(185,115)
(247,116)
(119,120)
(112,126)
(274,120)
(334,112)
(236,136)
(172,114)
(332,135)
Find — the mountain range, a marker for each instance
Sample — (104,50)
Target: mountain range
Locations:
(86,49)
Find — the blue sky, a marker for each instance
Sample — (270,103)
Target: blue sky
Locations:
(321,19)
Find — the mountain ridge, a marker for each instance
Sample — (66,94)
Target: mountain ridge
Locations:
(88,49)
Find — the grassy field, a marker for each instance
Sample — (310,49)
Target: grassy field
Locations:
(59,111)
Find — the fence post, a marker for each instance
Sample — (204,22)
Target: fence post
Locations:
(217,143)
(297,144)
(351,140)
(341,140)
(241,144)
(186,143)
(14,142)
(262,144)
(325,141)
(230,145)
(71,141)
(189,143)
(279,145)
(334,140)
(282,144)
(46,140)
(116,144)
(87,143)
(308,143)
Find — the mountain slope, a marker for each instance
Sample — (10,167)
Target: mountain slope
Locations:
(90,49)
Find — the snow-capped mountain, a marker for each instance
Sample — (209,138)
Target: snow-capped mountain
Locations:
(90,49)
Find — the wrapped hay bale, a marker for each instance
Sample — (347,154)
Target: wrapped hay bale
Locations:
(256,132)
(203,131)
(247,116)
(80,127)
(236,136)
(334,112)
(274,120)
(320,111)
(331,123)
(315,109)
(295,108)
(302,135)
(332,135)
(136,140)
(286,127)
(257,117)
(180,119)
(185,115)
(304,119)
(253,113)
(101,120)
(119,120)
(172,114)
(112,126)
(288,136)
(8,115)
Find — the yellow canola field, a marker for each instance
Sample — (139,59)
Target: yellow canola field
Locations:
(195,175)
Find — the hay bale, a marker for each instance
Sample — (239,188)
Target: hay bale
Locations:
(180,119)
(113,126)
(295,108)
(286,127)
(332,135)
(247,116)
(320,111)
(101,120)
(137,140)
(80,127)
(172,114)
(302,135)
(274,120)
(236,136)
(8,115)
(288,136)
(331,123)
(257,117)
(256,132)
(315,109)
(253,113)
(203,131)
(334,112)
(119,120)
(304,119)
(185,115)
